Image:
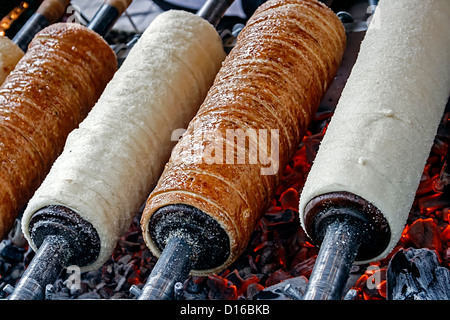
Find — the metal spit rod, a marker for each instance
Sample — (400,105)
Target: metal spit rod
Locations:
(48,12)
(214,10)
(173,266)
(53,254)
(51,10)
(337,253)
(107,15)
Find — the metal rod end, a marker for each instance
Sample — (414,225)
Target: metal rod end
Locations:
(173,266)
(338,251)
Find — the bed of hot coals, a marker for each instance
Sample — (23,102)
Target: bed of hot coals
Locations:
(279,257)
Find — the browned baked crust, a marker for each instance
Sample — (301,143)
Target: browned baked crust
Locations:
(46,96)
(274,78)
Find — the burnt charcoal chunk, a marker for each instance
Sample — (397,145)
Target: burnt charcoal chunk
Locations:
(12,253)
(415,274)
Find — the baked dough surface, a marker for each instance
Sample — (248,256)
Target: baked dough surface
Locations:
(10,54)
(272,81)
(49,92)
(113,160)
(380,136)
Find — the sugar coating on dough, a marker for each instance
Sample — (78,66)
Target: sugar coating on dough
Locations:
(272,80)
(381,134)
(10,54)
(47,94)
(112,161)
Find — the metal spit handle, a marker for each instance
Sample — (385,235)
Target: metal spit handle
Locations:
(173,266)
(107,15)
(53,255)
(213,10)
(48,13)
